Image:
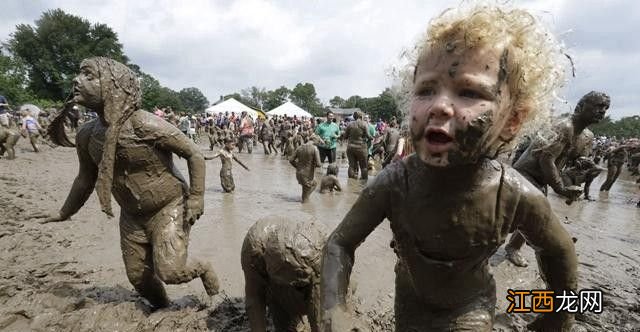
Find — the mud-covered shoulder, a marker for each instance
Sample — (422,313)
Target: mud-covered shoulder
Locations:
(149,126)
(391,178)
(522,196)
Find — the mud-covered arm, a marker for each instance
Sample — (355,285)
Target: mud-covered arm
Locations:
(547,161)
(167,137)
(85,181)
(555,253)
(293,159)
(254,286)
(316,157)
(336,184)
(337,262)
(212,157)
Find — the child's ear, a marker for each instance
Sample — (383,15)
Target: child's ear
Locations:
(514,123)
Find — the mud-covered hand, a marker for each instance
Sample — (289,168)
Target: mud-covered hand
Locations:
(560,322)
(340,320)
(194,208)
(56,217)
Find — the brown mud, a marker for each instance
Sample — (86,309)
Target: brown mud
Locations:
(70,276)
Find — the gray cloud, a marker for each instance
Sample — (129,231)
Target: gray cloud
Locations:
(343,48)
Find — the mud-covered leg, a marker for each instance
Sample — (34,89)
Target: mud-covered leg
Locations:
(363,164)
(513,250)
(307,190)
(265,145)
(138,262)
(352,171)
(611,176)
(33,138)
(170,241)
(282,320)
(9,145)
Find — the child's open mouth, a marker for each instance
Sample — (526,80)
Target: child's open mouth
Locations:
(438,140)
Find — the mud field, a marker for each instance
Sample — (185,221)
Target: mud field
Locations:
(70,277)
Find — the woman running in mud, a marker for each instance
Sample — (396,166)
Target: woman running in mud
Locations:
(128,152)
(451,204)
(227,157)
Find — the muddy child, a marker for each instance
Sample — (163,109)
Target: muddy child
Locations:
(128,153)
(281,263)
(8,140)
(227,157)
(31,129)
(305,159)
(330,182)
(480,74)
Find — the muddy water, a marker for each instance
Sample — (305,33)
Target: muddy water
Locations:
(70,276)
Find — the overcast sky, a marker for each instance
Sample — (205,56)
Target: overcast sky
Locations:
(343,47)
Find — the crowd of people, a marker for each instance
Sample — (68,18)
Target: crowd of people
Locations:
(450,199)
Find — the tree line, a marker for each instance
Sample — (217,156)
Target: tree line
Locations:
(38,63)
(627,127)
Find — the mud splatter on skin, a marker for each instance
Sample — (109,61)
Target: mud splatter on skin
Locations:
(502,71)
(471,142)
(453,69)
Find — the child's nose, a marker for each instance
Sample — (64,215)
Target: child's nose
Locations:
(442,107)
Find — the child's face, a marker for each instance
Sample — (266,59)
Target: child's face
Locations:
(457,105)
(230,145)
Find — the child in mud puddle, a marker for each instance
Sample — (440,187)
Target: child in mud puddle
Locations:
(330,182)
(480,74)
(281,263)
(227,157)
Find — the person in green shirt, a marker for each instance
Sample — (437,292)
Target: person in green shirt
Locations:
(329,132)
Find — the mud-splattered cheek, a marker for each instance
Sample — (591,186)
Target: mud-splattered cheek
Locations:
(419,113)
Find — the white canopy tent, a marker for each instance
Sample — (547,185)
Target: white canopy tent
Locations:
(289,109)
(232,105)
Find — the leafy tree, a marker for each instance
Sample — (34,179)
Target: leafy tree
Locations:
(304,95)
(151,90)
(337,102)
(193,100)
(354,101)
(170,98)
(626,127)
(382,107)
(254,97)
(275,98)
(13,79)
(55,46)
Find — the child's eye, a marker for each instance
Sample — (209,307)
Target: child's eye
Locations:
(467,93)
(425,92)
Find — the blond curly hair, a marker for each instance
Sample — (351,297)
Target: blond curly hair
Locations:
(535,67)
